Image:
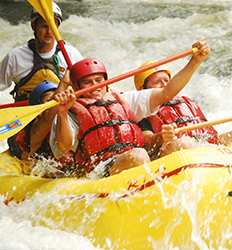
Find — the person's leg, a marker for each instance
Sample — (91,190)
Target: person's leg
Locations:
(129,159)
(226,138)
(183,142)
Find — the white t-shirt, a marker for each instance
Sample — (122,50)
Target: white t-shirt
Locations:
(19,62)
(139,103)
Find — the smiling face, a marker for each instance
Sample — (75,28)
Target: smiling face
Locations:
(158,79)
(89,81)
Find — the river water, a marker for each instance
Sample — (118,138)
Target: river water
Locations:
(124,34)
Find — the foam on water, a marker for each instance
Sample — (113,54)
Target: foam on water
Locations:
(17,233)
(24,236)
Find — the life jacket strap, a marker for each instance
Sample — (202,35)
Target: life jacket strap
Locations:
(185,119)
(101,103)
(110,123)
(173,102)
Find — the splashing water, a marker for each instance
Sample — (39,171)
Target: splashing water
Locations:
(19,234)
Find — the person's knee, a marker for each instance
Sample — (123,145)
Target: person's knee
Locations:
(139,155)
(184,142)
(129,159)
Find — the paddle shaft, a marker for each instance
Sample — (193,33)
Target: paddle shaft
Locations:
(24,115)
(65,53)
(203,124)
(136,71)
(116,78)
(15,104)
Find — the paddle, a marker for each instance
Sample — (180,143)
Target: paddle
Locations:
(12,120)
(203,124)
(44,8)
(15,104)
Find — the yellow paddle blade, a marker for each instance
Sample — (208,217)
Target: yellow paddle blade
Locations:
(44,8)
(12,120)
(36,4)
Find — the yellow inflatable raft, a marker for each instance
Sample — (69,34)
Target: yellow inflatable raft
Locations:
(183,200)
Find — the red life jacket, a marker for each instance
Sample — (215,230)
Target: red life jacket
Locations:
(106,127)
(19,146)
(183,111)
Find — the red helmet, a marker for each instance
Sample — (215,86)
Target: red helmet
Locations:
(87,67)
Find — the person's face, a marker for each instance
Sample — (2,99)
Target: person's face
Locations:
(89,81)
(43,33)
(157,80)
